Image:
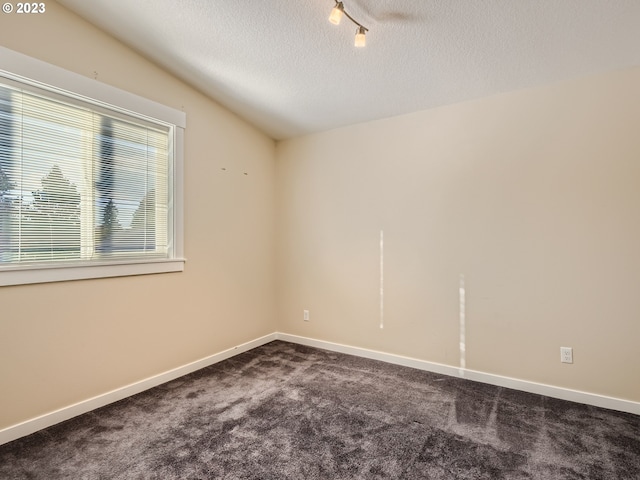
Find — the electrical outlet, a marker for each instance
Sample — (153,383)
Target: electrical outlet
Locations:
(566,354)
(305,315)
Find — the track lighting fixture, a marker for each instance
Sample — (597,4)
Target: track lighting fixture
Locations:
(337,14)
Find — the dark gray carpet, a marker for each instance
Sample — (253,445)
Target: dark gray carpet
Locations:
(284,411)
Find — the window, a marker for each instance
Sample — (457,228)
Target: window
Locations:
(89,178)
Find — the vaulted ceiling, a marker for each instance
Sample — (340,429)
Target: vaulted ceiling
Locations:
(282,66)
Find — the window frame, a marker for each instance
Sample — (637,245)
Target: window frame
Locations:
(26,70)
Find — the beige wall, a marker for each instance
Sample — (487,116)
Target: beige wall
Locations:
(66,342)
(533,196)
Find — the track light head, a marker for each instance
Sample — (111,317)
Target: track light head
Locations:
(336,13)
(361,39)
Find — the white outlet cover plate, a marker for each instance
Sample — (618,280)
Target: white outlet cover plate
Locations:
(566,354)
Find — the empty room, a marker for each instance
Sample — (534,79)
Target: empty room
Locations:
(315,239)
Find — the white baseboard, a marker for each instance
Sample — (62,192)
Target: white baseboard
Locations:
(500,381)
(33,425)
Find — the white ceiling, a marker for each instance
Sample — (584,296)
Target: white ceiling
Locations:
(282,66)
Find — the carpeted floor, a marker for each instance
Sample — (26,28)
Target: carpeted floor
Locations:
(284,411)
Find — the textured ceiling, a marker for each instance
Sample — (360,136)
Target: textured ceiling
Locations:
(282,66)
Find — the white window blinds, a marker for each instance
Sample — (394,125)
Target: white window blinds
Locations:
(80,183)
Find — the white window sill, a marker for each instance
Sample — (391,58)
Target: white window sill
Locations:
(64,273)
